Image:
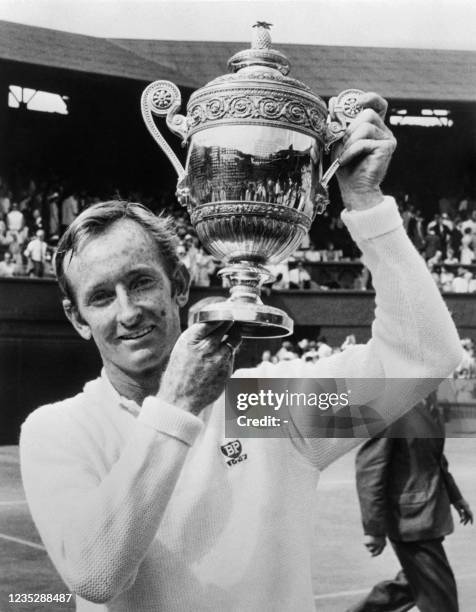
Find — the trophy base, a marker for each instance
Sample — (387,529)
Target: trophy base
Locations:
(254,320)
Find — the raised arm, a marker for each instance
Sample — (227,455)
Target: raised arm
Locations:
(413,335)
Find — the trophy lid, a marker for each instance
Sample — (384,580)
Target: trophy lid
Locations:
(258,90)
(261,52)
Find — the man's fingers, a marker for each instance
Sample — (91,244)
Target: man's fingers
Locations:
(367,116)
(373,100)
(365,147)
(364,131)
(212,330)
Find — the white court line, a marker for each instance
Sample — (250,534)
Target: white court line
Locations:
(342,594)
(21,541)
(364,591)
(13,503)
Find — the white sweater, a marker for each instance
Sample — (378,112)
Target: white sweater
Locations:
(139,509)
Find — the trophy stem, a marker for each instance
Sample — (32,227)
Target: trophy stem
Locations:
(244,306)
(246,279)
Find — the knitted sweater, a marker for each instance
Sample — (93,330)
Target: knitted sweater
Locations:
(140,510)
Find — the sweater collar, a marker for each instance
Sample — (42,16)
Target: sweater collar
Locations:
(123,402)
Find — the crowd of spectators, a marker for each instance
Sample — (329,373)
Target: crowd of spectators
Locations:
(447,241)
(313,350)
(34,214)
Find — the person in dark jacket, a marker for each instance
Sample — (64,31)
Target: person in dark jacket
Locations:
(405,492)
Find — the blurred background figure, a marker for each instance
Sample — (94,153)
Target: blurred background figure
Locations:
(36,253)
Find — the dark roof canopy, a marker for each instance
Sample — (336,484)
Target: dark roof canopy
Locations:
(406,74)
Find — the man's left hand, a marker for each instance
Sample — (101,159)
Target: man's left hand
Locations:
(375,544)
(463,509)
(365,152)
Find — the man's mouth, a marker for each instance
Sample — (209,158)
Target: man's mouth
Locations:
(139,333)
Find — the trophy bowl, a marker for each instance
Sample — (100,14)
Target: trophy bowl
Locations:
(251,182)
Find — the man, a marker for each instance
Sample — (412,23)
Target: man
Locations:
(36,253)
(405,491)
(130,482)
(15,220)
(69,211)
(299,277)
(8,267)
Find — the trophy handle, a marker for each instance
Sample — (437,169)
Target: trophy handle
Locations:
(342,109)
(163,99)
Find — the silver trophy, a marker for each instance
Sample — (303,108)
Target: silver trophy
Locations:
(252,182)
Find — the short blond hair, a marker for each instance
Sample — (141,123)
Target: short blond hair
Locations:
(96,220)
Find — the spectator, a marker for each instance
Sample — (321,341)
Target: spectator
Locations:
(461,282)
(299,277)
(204,267)
(5,237)
(323,349)
(467,253)
(468,362)
(287,352)
(446,280)
(36,221)
(450,257)
(53,213)
(470,223)
(433,244)
(183,256)
(7,266)
(281,274)
(69,211)
(16,251)
(266,356)
(311,355)
(416,231)
(348,342)
(5,200)
(435,260)
(36,253)
(15,220)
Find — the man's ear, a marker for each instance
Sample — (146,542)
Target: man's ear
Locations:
(181,285)
(76,320)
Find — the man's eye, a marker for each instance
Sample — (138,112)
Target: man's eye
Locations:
(101,298)
(143,283)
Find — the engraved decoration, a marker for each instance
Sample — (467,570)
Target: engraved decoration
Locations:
(246,105)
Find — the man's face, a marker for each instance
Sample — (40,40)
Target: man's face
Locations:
(125,300)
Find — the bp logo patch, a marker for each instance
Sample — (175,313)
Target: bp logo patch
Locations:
(233,452)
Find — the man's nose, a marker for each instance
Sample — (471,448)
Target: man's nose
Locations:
(129,311)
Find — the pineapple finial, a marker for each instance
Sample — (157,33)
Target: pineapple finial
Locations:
(261,35)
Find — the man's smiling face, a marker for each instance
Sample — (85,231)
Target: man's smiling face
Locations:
(125,300)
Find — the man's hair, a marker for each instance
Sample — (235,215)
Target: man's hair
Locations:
(97,219)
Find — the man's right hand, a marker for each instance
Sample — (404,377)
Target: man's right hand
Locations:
(199,366)
(374,544)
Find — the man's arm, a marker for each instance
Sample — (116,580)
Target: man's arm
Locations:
(456,498)
(98,528)
(372,463)
(413,335)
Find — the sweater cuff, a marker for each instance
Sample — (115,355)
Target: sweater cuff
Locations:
(170,420)
(372,222)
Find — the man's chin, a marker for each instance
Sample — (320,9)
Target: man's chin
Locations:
(143,362)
